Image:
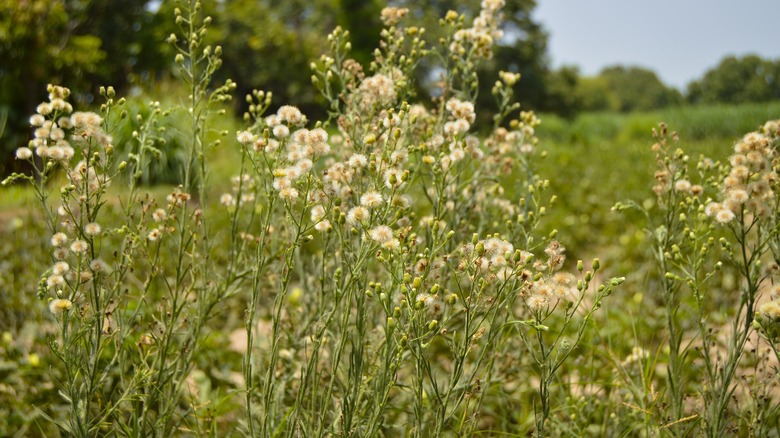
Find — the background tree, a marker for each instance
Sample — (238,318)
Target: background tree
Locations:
(594,94)
(522,49)
(81,43)
(562,87)
(638,89)
(738,80)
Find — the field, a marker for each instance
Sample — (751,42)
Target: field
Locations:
(167,269)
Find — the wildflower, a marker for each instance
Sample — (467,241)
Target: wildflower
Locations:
(381,233)
(281,183)
(98,265)
(92,229)
(770,310)
(455,128)
(44,109)
(738,196)
(60,253)
(291,115)
(317,213)
(323,225)
(393,178)
(37,120)
(59,306)
(42,132)
(740,172)
(303,166)
(682,185)
(391,121)
(288,193)
(85,276)
(281,131)
(508,78)
(56,153)
(245,137)
(60,268)
(159,215)
(724,215)
(563,283)
(357,161)
(79,246)
(55,281)
(59,239)
(556,253)
(273,120)
(57,134)
(492,5)
(154,234)
(321,148)
(87,124)
(178,198)
(399,156)
(457,154)
(23,153)
(377,90)
(536,302)
(227,200)
(318,135)
(356,215)
(371,199)
(64,122)
(391,15)
(391,244)
(295,153)
(461,110)
(712,208)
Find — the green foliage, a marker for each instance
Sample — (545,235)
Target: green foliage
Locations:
(271,44)
(738,80)
(80,42)
(633,89)
(385,271)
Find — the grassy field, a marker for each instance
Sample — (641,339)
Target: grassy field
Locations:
(599,159)
(592,162)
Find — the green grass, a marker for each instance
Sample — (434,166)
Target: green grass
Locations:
(592,162)
(598,159)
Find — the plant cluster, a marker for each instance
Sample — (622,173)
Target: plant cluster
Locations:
(385,269)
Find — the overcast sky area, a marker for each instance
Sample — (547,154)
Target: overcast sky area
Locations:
(678,39)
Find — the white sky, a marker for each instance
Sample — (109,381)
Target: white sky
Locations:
(679,40)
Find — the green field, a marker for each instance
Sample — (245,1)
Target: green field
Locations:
(393,266)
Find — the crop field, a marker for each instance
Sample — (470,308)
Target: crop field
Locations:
(399,267)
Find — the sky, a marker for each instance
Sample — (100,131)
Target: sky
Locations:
(678,39)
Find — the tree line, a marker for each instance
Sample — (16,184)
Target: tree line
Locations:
(269,44)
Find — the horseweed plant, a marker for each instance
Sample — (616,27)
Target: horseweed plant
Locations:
(691,232)
(391,263)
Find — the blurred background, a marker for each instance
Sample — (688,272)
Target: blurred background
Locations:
(575,57)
